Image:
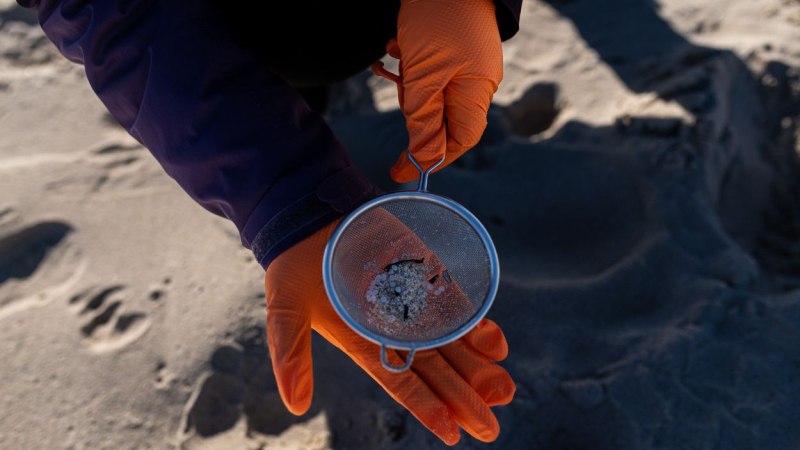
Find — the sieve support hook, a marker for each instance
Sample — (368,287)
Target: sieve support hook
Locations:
(423,174)
(390,367)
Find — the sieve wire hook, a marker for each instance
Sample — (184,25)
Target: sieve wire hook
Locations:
(388,366)
(423,174)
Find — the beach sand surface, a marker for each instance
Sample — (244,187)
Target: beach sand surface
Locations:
(639,176)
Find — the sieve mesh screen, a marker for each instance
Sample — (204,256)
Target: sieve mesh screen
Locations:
(411,270)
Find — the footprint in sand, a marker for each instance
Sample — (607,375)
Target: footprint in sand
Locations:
(121,167)
(37,263)
(22,253)
(534,112)
(240,384)
(113,166)
(239,396)
(106,325)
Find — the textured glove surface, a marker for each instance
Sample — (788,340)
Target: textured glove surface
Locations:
(444,388)
(451,62)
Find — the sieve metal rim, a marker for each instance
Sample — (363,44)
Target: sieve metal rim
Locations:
(477,226)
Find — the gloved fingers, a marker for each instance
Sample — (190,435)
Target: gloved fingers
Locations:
(403,170)
(467,407)
(289,338)
(466,104)
(451,59)
(466,101)
(393,48)
(423,107)
(492,383)
(488,339)
(291,293)
(411,391)
(407,388)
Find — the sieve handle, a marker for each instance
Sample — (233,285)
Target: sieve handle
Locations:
(392,368)
(423,174)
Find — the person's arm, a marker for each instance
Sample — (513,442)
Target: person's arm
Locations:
(238,140)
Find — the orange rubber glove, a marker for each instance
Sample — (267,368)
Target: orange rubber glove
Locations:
(444,388)
(451,62)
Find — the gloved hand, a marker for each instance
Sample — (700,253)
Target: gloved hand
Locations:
(445,387)
(451,62)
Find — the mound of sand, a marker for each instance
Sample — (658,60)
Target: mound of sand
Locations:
(639,176)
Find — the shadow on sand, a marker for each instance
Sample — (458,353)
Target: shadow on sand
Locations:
(651,269)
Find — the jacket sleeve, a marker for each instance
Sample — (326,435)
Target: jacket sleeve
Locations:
(507,13)
(237,139)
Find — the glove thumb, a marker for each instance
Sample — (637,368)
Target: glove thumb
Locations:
(289,338)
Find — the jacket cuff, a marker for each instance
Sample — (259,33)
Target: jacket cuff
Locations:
(337,195)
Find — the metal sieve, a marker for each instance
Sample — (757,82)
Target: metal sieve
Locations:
(411,270)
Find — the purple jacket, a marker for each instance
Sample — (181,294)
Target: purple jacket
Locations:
(238,139)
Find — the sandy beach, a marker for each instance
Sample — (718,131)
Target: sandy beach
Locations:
(639,176)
